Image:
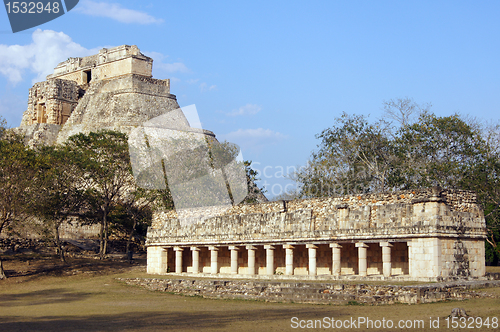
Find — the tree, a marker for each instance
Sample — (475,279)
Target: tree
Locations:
(19,169)
(60,194)
(484,178)
(356,156)
(134,211)
(3,127)
(402,110)
(255,194)
(438,151)
(104,163)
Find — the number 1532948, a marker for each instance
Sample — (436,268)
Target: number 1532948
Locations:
(16,7)
(471,322)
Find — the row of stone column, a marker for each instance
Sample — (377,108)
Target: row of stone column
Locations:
(336,259)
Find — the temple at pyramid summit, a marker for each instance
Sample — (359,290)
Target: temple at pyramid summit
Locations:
(425,234)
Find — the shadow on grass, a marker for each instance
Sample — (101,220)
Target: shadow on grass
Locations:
(168,321)
(48,296)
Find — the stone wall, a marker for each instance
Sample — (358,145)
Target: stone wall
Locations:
(327,293)
(429,234)
(109,63)
(76,230)
(39,134)
(426,213)
(51,102)
(111,90)
(119,104)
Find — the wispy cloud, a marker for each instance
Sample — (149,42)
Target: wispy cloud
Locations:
(173,67)
(259,133)
(40,57)
(248,109)
(254,139)
(204,87)
(116,12)
(160,64)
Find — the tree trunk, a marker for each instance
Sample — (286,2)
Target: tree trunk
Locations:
(493,243)
(57,241)
(131,235)
(2,224)
(105,242)
(101,240)
(2,273)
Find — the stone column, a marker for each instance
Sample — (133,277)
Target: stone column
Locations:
(251,260)
(234,259)
(269,259)
(312,259)
(386,258)
(336,250)
(437,268)
(195,251)
(410,257)
(288,259)
(214,268)
(164,258)
(157,260)
(178,259)
(362,266)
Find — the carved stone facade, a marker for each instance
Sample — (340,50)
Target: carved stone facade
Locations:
(109,63)
(110,90)
(51,102)
(430,234)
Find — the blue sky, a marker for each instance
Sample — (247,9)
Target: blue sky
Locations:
(270,75)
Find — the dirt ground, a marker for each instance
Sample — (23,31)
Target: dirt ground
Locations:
(44,295)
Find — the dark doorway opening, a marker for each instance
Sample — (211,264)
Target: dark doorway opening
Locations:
(87,75)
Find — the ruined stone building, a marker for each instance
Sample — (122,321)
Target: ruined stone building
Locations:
(110,90)
(428,234)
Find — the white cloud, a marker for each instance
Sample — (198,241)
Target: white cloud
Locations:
(173,67)
(259,133)
(160,66)
(116,12)
(254,139)
(40,57)
(204,87)
(248,109)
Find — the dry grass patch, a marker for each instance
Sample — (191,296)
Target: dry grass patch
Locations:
(96,301)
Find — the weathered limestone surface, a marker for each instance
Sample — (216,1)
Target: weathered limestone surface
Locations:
(39,133)
(119,104)
(51,102)
(428,234)
(317,292)
(110,90)
(418,213)
(109,63)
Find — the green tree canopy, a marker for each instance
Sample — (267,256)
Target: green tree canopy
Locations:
(19,170)
(104,163)
(357,156)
